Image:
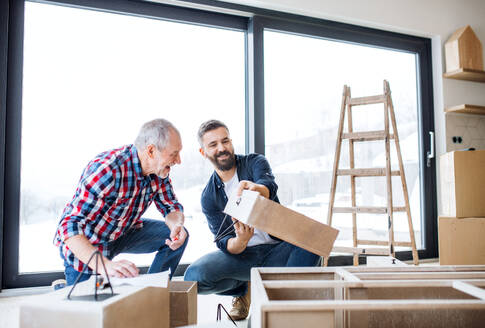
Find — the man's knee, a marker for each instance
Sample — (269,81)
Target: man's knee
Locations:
(197,272)
(191,274)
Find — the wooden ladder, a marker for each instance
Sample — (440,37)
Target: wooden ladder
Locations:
(347,105)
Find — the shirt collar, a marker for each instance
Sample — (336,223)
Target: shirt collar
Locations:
(136,163)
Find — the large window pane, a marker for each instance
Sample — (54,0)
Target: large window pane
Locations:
(91,79)
(304,79)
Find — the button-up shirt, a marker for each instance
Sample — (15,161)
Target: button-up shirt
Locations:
(252,167)
(110,198)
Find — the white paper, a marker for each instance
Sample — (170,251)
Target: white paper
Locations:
(144,280)
(240,208)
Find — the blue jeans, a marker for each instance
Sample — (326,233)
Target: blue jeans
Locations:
(148,239)
(228,274)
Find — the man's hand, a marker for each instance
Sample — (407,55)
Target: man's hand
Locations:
(175,222)
(120,269)
(249,185)
(243,231)
(177,237)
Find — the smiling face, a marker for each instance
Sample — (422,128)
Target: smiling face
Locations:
(217,147)
(160,162)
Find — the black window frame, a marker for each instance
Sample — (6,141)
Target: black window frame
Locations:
(253,21)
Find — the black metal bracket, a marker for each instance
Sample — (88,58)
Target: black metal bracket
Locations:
(98,282)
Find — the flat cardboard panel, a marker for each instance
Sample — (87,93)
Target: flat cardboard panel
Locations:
(299,276)
(403,293)
(132,307)
(183,303)
(417,318)
(310,319)
(461,240)
(280,294)
(282,222)
(463,183)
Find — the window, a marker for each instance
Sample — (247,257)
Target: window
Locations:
(304,79)
(89,86)
(82,80)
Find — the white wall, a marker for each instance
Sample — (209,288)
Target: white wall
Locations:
(436,19)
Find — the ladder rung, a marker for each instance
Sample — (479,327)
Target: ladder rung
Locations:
(403,243)
(367,135)
(367,100)
(372,172)
(372,242)
(361,250)
(383,242)
(372,210)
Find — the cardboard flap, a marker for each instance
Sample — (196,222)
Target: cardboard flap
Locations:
(240,208)
(259,212)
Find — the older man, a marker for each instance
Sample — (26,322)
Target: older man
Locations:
(114,191)
(227,271)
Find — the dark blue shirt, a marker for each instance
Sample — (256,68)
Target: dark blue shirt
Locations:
(252,167)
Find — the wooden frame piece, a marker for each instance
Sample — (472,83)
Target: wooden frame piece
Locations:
(368,296)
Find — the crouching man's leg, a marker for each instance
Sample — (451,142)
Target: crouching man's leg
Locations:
(149,239)
(287,255)
(223,274)
(219,273)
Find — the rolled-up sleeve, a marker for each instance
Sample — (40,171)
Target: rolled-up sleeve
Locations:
(263,175)
(166,200)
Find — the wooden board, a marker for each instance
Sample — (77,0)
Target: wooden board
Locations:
(466,74)
(451,296)
(467,109)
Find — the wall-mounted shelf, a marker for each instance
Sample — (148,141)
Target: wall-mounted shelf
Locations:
(466,74)
(468,109)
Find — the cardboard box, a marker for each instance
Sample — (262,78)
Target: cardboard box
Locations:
(461,240)
(132,307)
(183,303)
(281,222)
(463,183)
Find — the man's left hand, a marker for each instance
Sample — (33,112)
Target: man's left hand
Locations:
(249,185)
(177,237)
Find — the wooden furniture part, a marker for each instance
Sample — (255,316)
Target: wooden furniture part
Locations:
(463,50)
(466,74)
(398,296)
(466,109)
(348,104)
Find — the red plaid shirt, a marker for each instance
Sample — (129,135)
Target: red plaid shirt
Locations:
(110,198)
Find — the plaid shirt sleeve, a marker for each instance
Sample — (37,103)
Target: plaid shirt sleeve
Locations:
(97,183)
(165,200)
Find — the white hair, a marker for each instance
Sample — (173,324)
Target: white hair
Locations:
(155,132)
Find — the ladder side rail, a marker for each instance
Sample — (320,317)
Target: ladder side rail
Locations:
(403,178)
(388,174)
(337,156)
(352,177)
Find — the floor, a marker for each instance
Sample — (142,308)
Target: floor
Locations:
(206,312)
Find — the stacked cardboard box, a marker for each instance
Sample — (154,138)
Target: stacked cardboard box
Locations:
(462,223)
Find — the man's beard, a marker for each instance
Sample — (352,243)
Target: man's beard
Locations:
(226,164)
